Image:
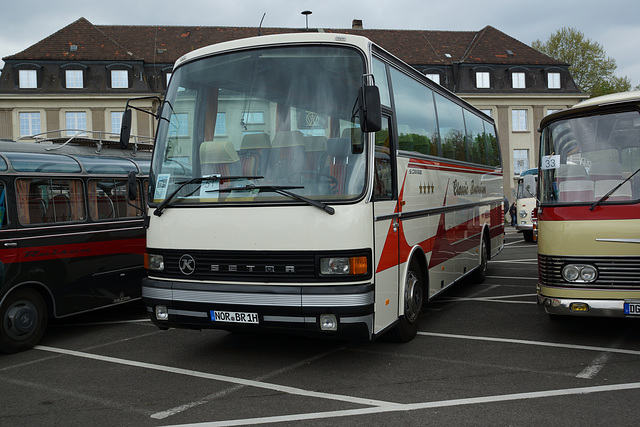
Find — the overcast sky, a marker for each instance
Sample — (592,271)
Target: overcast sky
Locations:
(615,24)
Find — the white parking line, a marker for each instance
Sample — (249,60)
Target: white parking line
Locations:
(538,343)
(374,406)
(419,406)
(216,377)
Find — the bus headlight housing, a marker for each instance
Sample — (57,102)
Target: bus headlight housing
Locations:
(332,266)
(579,273)
(154,262)
(523,214)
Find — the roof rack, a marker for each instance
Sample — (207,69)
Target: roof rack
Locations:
(89,137)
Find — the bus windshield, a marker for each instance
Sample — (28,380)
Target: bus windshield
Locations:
(591,159)
(262,124)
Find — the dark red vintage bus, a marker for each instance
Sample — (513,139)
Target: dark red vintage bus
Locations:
(70,240)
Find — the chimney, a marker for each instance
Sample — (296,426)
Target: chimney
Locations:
(356,24)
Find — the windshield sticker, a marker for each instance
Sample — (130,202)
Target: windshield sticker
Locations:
(209,188)
(162,183)
(550,162)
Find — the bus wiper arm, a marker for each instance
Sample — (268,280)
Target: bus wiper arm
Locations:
(606,196)
(281,189)
(197,180)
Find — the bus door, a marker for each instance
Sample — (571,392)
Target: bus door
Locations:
(9,267)
(387,227)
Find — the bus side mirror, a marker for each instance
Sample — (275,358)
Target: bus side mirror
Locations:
(125,129)
(370,109)
(132,186)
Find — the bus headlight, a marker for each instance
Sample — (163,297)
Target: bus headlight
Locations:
(582,273)
(343,265)
(523,214)
(154,262)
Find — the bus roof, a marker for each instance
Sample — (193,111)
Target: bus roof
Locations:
(594,104)
(290,38)
(25,157)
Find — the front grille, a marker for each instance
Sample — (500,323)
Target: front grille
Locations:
(613,272)
(251,266)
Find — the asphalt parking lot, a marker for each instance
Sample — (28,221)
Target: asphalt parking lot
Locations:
(485,355)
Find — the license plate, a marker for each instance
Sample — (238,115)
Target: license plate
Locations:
(632,308)
(233,317)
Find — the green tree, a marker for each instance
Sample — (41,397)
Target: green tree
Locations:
(590,67)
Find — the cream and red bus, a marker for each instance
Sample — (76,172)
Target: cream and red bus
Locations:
(526,202)
(314,183)
(589,215)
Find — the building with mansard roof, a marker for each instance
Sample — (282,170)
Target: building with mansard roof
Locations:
(81,77)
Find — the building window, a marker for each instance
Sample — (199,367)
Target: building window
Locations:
(29,124)
(119,79)
(482,80)
(179,125)
(434,77)
(551,110)
(553,80)
(519,120)
(73,79)
(76,121)
(28,79)
(487,112)
(116,121)
(221,124)
(518,81)
(520,161)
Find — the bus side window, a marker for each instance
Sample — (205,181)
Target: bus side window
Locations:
(108,200)
(3,206)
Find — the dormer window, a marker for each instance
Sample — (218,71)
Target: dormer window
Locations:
(119,79)
(28,79)
(482,80)
(433,77)
(553,80)
(73,79)
(518,80)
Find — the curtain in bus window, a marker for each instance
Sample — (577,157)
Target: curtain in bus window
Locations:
(77,201)
(22,186)
(415,113)
(452,131)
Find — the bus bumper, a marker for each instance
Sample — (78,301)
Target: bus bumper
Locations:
(335,310)
(583,307)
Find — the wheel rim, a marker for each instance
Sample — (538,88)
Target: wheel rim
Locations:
(21,320)
(483,257)
(412,297)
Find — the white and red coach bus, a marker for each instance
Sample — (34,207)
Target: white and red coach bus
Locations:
(589,215)
(314,183)
(70,242)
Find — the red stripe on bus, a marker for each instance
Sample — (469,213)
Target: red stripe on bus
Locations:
(43,253)
(584,213)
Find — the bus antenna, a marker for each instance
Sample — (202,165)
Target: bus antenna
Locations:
(260,26)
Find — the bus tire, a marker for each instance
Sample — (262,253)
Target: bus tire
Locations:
(528,235)
(24,320)
(407,326)
(481,272)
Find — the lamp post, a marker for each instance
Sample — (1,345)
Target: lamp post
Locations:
(306,14)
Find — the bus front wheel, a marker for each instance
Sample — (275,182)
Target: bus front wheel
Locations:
(407,326)
(24,319)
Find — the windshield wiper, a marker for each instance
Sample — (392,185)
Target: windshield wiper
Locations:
(280,189)
(606,196)
(196,180)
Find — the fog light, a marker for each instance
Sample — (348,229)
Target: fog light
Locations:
(579,306)
(161,312)
(328,322)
